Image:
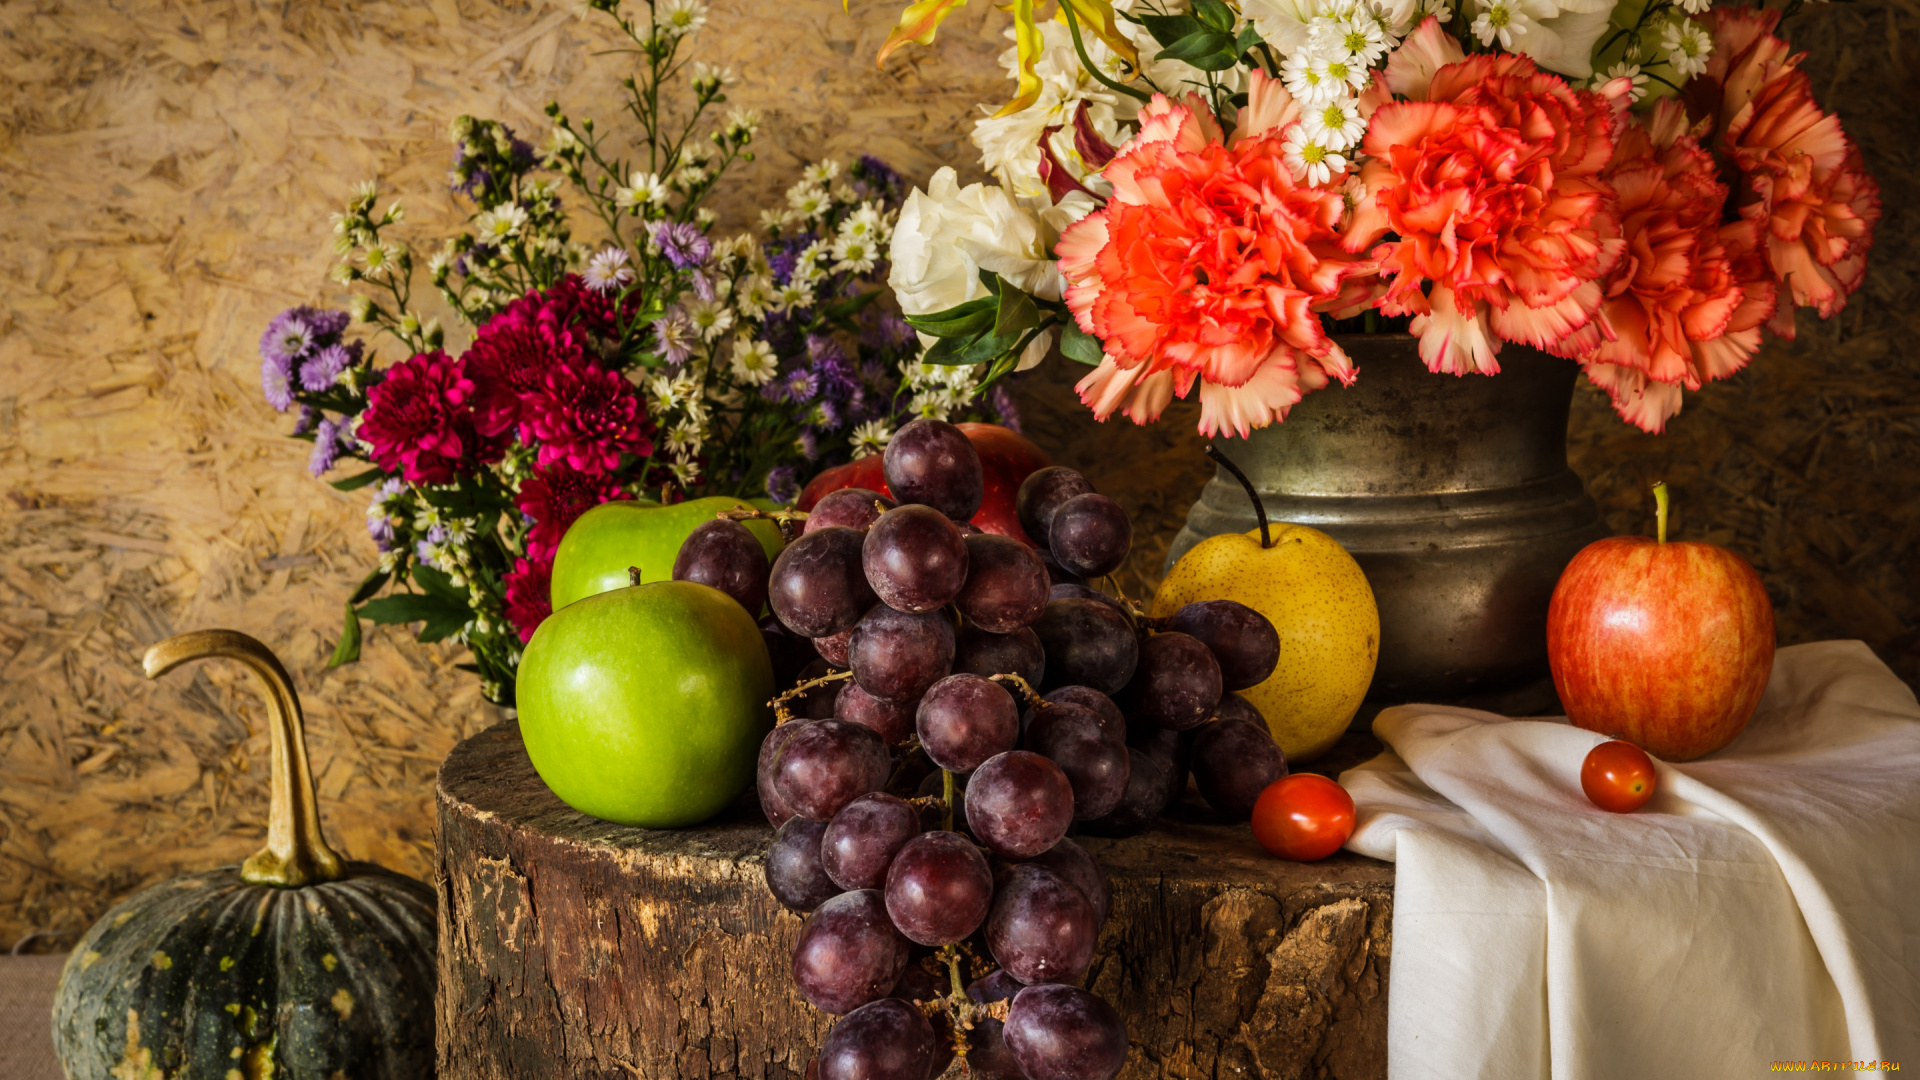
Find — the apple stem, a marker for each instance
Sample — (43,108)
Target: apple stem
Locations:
(633,575)
(1259,508)
(946,787)
(1660,509)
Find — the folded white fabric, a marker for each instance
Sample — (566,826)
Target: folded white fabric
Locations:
(1764,907)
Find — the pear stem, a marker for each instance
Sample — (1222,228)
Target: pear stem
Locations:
(1259,508)
(1660,510)
(296,853)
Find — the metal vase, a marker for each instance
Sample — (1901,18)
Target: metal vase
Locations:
(1454,495)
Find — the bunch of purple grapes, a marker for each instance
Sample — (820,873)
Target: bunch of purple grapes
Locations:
(961,702)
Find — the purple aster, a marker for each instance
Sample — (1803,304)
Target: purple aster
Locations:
(1002,403)
(276,382)
(810,443)
(682,244)
(323,369)
(308,417)
(288,337)
(674,337)
(782,257)
(783,484)
(878,174)
(424,547)
(327,325)
(382,532)
(326,446)
(703,287)
(797,387)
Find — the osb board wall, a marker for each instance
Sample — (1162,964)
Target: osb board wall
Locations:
(168,168)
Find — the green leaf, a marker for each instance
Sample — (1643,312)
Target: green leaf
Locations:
(991,280)
(1219,61)
(955,352)
(850,306)
(401,608)
(1203,44)
(964,320)
(1249,37)
(1079,346)
(1018,314)
(360,480)
(369,585)
(1167,29)
(437,583)
(348,650)
(1214,14)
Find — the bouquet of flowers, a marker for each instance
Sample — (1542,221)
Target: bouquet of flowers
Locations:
(660,363)
(1195,194)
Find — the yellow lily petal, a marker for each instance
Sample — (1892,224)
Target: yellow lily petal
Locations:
(918,23)
(1096,17)
(1026,35)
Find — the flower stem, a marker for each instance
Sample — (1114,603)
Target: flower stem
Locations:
(1259,508)
(1073,27)
(1660,509)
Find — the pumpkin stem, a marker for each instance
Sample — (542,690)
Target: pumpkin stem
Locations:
(296,853)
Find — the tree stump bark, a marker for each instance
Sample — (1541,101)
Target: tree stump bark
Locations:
(573,947)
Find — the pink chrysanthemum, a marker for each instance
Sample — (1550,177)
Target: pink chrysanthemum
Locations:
(555,497)
(420,421)
(510,360)
(529,597)
(1210,264)
(586,416)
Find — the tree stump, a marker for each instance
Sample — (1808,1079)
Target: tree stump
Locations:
(573,947)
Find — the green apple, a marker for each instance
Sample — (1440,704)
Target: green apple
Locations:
(605,541)
(646,705)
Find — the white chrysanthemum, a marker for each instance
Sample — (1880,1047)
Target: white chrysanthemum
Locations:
(710,318)
(1334,124)
(821,173)
(686,473)
(870,437)
(794,295)
(1629,72)
(1503,20)
(1687,46)
(678,18)
(811,264)
(753,362)
(854,255)
(643,189)
(754,297)
(499,223)
(808,200)
(1305,83)
(1310,160)
(866,223)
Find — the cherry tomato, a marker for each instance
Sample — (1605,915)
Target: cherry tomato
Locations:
(1618,776)
(1303,817)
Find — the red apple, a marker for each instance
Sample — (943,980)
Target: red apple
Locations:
(1006,458)
(1665,645)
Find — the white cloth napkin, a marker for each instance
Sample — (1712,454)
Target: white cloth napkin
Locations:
(1764,906)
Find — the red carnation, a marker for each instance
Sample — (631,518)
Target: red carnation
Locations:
(555,497)
(587,417)
(510,360)
(529,595)
(419,421)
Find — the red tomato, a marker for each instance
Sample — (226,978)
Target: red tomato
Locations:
(1303,817)
(1618,776)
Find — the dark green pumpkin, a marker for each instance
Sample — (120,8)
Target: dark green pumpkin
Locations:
(295,965)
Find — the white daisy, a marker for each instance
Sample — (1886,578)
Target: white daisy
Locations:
(1360,37)
(753,362)
(1630,72)
(742,124)
(1504,20)
(608,271)
(1687,46)
(1310,161)
(870,437)
(642,190)
(854,255)
(755,296)
(808,200)
(500,223)
(711,78)
(1334,124)
(1336,74)
(794,295)
(822,173)
(809,267)
(678,18)
(710,318)
(686,472)
(776,221)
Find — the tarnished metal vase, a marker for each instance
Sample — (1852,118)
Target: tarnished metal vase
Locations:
(1454,495)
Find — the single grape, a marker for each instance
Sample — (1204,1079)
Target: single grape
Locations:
(1112,722)
(849,953)
(1064,1033)
(1090,535)
(987,1056)
(858,845)
(833,647)
(828,764)
(1233,762)
(727,556)
(939,888)
(1075,738)
(1233,706)
(982,653)
(1041,493)
(965,719)
(789,651)
(1242,639)
(851,507)
(933,463)
(915,559)
(1149,791)
(1088,643)
(794,874)
(818,702)
(897,655)
(1177,682)
(1041,929)
(1055,575)
(885,1040)
(1019,804)
(892,719)
(1006,585)
(771,804)
(817,586)
(1082,592)
(1079,869)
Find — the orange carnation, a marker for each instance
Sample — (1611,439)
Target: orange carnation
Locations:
(1209,265)
(1794,173)
(1491,179)
(1686,303)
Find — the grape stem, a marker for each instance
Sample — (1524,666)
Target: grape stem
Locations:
(1033,696)
(1259,508)
(946,786)
(782,519)
(1660,509)
(782,714)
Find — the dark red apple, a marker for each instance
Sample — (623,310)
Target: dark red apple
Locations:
(1006,458)
(1665,645)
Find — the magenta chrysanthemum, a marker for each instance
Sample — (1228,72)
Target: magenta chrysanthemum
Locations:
(420,423)
(529,596)
(586,417)
(555,497)
(510,361)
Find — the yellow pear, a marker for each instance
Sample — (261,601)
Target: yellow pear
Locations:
(1318,600)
